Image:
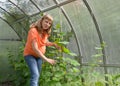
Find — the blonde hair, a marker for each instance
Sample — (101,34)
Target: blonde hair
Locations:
(38,24)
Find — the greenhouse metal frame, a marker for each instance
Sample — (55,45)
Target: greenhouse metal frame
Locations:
(92,19)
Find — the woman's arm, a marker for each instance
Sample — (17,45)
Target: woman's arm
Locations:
(53,44)
(40,54)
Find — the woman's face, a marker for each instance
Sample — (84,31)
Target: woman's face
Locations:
(46,23)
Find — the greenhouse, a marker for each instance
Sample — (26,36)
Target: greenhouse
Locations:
(87,32)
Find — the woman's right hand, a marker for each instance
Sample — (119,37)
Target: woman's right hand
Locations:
(51,61)
(40,54)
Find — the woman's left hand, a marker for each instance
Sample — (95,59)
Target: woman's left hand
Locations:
(58,47)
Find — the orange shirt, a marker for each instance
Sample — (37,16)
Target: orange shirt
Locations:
(41,41)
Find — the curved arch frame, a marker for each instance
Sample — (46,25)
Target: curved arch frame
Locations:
(70,23)
(67,17)
(47,9)
(99,35)
(17,7)
(76,38)
(61,4)
(35,5)
(12,28)
(13,17)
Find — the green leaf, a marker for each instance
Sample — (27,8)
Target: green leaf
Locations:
(116,77)
(103,44)
(55,30)
(58,26)
(65,50)
(58,84)
(64,42)
(71,61)
(55,79)
(98,48)
(98,83)
(97,55)
(75,70)
(72,54)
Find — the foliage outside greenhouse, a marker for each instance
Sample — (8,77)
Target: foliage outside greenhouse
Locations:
(88,37)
